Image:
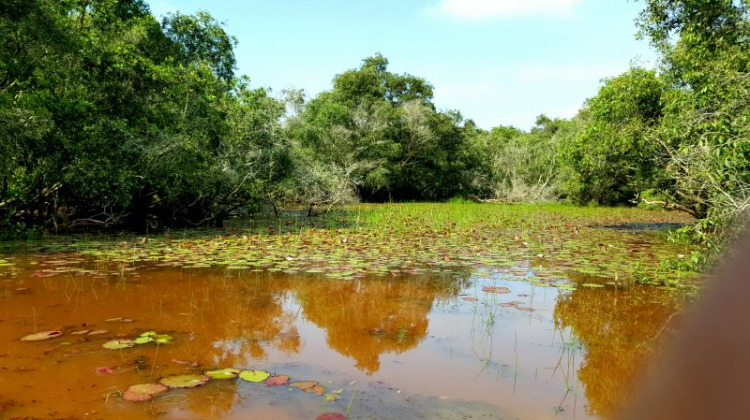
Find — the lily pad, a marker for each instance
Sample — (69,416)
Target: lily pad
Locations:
(303,385)
(279,380)
(498,289)
(254,375)
(331,416)
(143,340)
(118,344)
(184,381)
(143,392)
(593,285)
(331,397)
(153,337)
(45,335)
(98,332)
(229,373)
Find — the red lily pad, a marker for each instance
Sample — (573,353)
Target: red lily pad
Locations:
(331,416)
(279,380)
(143,392)
(45,335)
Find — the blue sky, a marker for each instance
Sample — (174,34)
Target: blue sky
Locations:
(499,62)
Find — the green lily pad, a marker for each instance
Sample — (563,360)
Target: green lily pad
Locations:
(593,285)
(228,373)
(143,392)
(153,337)
(118,344)
(254,375)
(184,381)
(44,335)
(143,340)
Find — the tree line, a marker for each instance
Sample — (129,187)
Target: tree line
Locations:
(112,117)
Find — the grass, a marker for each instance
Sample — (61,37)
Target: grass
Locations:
(404,239)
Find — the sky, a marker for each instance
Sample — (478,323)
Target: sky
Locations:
(498,62)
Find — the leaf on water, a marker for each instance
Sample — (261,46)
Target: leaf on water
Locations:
(104,371)
(508,305)
(228,373)
(143,340)
(331,416)
(490,289)
(119,344)
(82,332)
(593,285)
(317,389)
(524,309)
(184,381)
(331,397)
(45,335)
(98,332)
(143,392)
(278,380)
(183,362)
(303,385)
(471,299)
(254,375)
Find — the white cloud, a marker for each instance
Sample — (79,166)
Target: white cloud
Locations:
(490,9)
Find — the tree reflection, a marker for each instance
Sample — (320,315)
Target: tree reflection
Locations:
(620,331)
(364,319)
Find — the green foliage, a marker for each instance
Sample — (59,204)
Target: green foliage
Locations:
(108,117)
(377,135)
(611,158)
(517,165)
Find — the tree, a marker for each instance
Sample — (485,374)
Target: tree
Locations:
(612,159)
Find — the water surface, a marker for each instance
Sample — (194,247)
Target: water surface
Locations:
(395,346)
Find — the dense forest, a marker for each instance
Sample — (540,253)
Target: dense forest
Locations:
(111,117)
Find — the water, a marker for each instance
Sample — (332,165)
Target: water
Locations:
(427,346)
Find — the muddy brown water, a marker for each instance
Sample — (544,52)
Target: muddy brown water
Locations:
(430,346)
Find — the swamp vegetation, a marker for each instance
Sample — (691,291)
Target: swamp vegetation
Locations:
(182,285)
(379,311)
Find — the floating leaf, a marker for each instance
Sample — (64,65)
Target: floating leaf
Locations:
(143,392)
(254,375)
(593,285)
(184,381)
(331,397)
(471,299)
(331,416)
(98,332)
(303,385)
(279,380)
(498,289)
(45,335)
(82,332)
(118,344)
(143,340)
(228,373)
(104,371)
